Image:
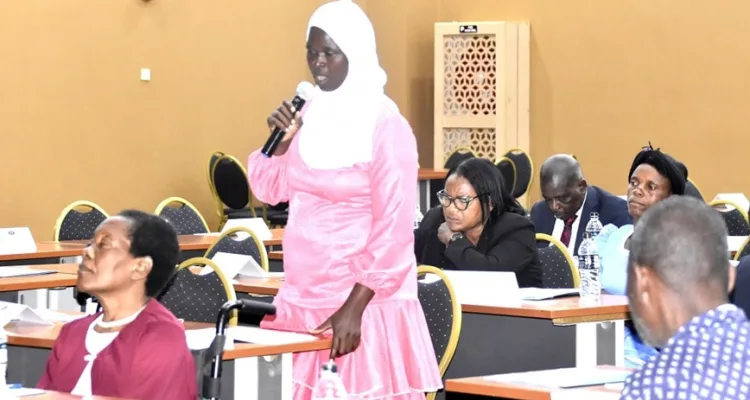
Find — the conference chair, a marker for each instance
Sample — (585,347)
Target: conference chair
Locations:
(734,216)
(558,268)
(212,160)
(182,215)
(692,190)
(442,312)
(198,298)
(79,220)
(233,190)
(509,173)
(524,171)
(242,241)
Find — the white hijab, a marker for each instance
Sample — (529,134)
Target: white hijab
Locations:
(338,126)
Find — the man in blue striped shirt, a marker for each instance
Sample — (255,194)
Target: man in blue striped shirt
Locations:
(678,276)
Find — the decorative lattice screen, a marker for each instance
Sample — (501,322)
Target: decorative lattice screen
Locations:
(481,88)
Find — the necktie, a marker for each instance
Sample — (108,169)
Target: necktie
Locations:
(567,230)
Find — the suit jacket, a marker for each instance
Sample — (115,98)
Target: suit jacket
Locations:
(740,295)
(507,244)
(149,359)
(611,209)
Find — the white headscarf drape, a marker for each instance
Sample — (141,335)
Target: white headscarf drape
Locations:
(338,126)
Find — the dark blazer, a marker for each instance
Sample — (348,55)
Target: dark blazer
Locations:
(507,244)
(740,295)
(611,209)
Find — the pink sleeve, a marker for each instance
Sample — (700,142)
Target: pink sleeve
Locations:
(389,254)
(163,367)
(267,176)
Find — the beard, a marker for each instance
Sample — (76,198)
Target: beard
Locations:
(646,334)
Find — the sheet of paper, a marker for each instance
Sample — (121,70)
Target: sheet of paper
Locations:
(734,263)
(23,392)
(485,288)
(19,312)
(199,339)
(256,225)
(55,316)
(736,198)
(546,294)
(615,386)
(584,394)
(735,242)
(564,377)
(16,241)
(208,234)
(233,265)
(14,272)
(251,334)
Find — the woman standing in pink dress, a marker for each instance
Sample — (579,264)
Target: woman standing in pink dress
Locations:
(348,168)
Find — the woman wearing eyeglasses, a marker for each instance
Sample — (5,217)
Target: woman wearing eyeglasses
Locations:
(478,226)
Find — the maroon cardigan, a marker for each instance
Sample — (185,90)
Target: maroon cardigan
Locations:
(148,360)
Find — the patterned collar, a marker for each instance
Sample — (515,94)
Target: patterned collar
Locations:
(713,318)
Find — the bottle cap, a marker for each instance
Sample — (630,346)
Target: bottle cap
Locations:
(330,366)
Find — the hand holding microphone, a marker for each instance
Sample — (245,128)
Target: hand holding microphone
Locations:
(286,120)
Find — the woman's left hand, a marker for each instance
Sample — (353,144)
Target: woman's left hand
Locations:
(346,322)
(444,233)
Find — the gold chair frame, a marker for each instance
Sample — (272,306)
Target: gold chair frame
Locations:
(179,200)
(515,173)
(64,213)
(515,151)
(220,205)
(228,287)
(573,267)
(259,243)
(450,349)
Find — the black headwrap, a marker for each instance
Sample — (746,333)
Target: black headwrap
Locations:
(668,167)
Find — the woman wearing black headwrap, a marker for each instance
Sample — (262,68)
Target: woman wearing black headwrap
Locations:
(653,177)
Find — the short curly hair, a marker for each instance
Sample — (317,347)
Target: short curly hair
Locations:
(152,236)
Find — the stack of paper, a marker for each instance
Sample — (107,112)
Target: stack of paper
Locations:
(19,312)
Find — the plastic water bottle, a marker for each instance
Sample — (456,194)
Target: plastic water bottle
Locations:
(588,268)
(594,226)
(329,386)
(418,217)
(583,260)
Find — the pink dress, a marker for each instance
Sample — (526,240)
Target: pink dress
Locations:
(346,226)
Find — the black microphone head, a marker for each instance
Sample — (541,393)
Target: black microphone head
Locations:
(305,90)
(257,307)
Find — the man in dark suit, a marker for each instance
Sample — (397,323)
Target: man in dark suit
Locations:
(569,201)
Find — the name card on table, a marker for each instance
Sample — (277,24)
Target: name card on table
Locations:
(17,241)
(256,225)
(482,288)
(232,265)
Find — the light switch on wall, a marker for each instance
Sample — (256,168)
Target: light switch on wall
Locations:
(145,74)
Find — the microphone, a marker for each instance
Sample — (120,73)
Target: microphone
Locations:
(305,91)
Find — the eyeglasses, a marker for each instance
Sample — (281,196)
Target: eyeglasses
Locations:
(461,203)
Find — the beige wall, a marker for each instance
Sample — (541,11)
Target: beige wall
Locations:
(606,78)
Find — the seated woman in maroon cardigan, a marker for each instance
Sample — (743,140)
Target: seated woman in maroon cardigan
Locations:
(135,348)
(478,226)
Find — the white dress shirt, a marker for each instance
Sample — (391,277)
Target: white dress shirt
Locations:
(560,226)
